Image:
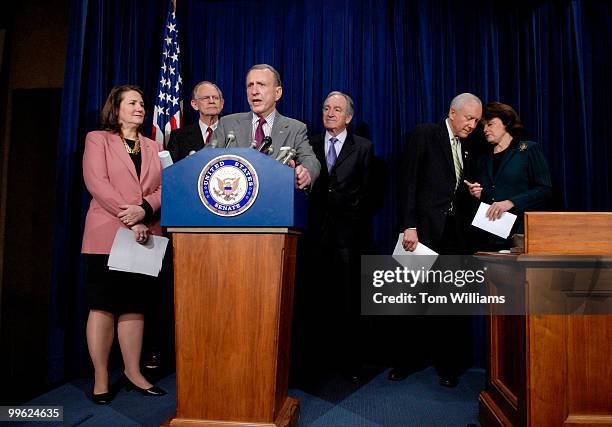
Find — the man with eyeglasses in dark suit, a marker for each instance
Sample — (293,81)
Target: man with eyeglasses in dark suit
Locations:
(207,99)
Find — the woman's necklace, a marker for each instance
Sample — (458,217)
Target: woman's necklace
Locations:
(130,150)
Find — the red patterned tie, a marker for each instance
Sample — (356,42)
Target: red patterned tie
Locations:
(259,133)
(209,133)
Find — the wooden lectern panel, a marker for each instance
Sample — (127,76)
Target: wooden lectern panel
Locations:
(568,233)
(233,307)
(563,363)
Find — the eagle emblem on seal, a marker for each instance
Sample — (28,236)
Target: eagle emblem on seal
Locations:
(227,188)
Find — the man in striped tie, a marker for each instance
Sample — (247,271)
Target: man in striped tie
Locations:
(432,201)
(207,100)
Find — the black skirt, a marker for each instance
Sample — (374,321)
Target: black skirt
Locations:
(117,292)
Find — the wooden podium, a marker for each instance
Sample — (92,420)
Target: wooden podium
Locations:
(550,370)
(233,280)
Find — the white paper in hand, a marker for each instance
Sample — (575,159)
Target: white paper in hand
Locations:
(421,249)
(130,256)
(421,258)
(500,227)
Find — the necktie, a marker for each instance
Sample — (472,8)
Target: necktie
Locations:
(456,161)
(259,133)
(331,156)
(209,133)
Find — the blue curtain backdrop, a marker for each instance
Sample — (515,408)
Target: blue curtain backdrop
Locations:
(402,61)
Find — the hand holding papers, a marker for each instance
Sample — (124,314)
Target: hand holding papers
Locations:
(500,227)
(133,257)
(411,259)
(421,249)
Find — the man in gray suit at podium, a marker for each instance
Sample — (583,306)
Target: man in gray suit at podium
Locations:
(264,89)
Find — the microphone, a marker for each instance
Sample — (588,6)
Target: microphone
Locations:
(282,152)
(265,144)
(269,151)
(213,143)
(291,153)
(230,138)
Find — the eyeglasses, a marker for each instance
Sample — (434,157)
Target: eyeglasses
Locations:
(208,98)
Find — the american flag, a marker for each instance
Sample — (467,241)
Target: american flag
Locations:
(168,112)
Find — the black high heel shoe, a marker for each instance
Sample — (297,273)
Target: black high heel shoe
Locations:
(102,398)
(151,391)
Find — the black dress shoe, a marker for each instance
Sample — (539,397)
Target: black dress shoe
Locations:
(398,374)
(449,382)
(153,361)
(353,375)
(151,391)
(102,398)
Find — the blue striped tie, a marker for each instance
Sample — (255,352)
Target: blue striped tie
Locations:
(331,154)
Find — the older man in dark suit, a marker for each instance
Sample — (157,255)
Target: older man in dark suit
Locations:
(433,200)
(340,228)
(264,90)
(207,100)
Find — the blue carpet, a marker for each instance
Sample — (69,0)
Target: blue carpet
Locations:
(334,402)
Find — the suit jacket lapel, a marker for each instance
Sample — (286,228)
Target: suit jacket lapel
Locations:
(245,124)
(318,146)
(279,131)
(446,147)
(347,149)
(146,155)
(117,147)
(196,132)
(489,165)
(510,152)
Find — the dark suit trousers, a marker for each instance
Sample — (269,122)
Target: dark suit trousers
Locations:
(335,279)
(445,340)
(449,336)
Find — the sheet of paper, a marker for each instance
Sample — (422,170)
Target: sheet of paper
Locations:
(165,158)
(130,256)
(500,227)
(421,249)
(421,258)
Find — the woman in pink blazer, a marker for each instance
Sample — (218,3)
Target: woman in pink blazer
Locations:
(122,172)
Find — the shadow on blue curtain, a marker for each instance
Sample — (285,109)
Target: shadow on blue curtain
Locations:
(402,61)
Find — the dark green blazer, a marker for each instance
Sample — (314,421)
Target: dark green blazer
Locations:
(522,177)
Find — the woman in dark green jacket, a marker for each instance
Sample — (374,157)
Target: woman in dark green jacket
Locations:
(513,176)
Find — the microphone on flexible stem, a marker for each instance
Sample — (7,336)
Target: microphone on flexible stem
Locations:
(265,144)
(282,152)
(269,151)
(289,156)
(230,138)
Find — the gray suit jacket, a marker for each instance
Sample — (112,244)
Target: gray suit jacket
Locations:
(286,132)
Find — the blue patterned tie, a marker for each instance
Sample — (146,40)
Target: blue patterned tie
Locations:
(331,154)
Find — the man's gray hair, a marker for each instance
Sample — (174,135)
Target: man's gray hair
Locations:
(205,82)
(350,109)
(460,100)
(267,67)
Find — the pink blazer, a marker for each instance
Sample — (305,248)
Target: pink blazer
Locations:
(110,177)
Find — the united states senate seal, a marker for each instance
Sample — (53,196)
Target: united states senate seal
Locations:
(228,185)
